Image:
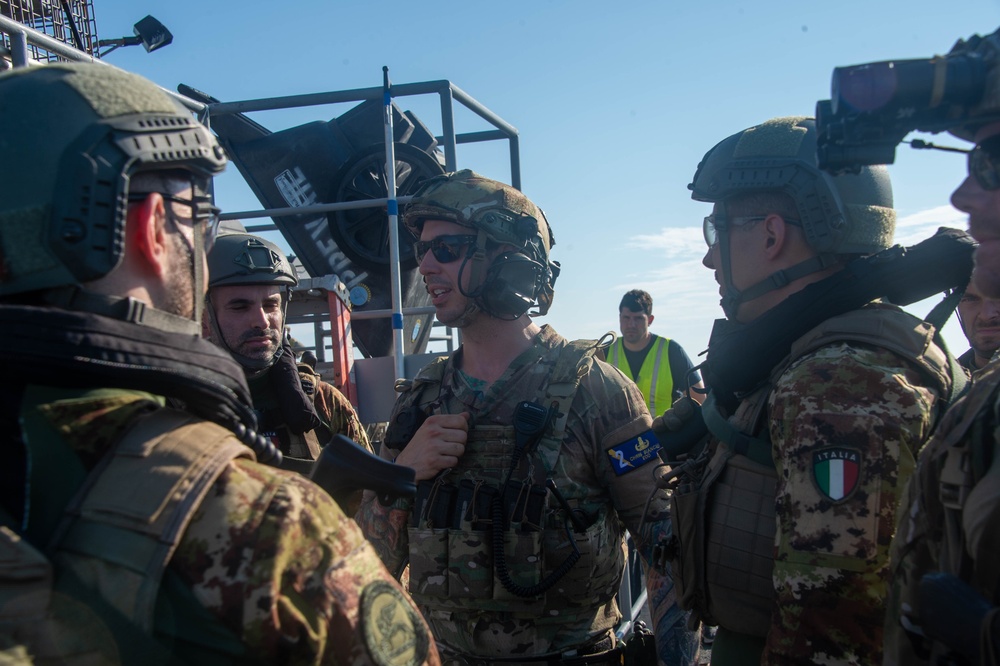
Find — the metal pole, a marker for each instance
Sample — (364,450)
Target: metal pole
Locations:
(19,49)
(393,208)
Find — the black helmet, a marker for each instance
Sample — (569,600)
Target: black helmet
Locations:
(71,136)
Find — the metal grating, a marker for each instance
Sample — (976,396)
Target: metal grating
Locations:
(70,21)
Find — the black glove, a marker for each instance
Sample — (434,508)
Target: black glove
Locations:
(952,613)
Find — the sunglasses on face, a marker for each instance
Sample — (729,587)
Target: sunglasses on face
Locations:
(202,212)
(984,163)
(445,249)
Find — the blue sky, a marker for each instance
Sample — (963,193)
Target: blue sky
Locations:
(615,104)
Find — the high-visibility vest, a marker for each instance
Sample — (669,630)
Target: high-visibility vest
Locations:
(655,379)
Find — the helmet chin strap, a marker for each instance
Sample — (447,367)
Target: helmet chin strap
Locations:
(734,298)
(252,367)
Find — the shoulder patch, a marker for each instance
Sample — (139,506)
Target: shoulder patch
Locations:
(393,632)
(836,472)
(634,453)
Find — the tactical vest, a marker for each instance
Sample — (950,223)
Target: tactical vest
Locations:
(655,380)
(115,540)
(969,488)
(724,511)
(456,559)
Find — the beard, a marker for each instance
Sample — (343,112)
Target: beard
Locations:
(256,353)
(179,281)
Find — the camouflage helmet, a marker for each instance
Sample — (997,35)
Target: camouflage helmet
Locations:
(502,212)
(842,214)
(240,258)
(73,134)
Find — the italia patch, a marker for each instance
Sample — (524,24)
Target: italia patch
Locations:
(393,632)
(836,472)
(634,453)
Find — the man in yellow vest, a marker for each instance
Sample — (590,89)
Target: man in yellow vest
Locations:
(659,366)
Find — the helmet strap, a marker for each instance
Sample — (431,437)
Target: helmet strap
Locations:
(252,367)
(123,309)
(734,298)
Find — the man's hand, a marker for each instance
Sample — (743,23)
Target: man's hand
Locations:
(437,445)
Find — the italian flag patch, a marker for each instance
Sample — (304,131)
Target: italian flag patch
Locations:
(836,472)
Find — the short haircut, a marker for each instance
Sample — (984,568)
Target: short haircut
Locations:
(763,203)
(637,300)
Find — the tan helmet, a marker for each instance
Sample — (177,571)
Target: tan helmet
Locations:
(505,216)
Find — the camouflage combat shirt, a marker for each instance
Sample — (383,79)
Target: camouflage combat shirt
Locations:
(962,537)
(607,412)
(846,422)
(267,552)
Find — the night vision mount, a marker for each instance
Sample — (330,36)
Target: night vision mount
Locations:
(873,106)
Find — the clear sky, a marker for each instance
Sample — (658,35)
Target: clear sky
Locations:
(615,104)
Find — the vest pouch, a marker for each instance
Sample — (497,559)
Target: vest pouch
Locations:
(470,564)
(428,561)
(596,576)
(739,555)
(687,559)
(523,555)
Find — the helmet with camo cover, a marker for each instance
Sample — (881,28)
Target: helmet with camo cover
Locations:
(501,214)
(72,135)
(846,214)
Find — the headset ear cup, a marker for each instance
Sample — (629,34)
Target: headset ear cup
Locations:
(511,285)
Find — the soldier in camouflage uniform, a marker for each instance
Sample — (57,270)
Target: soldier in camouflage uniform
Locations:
(819,400)
(250,282)
(533,457)
(945,600)
(129,450)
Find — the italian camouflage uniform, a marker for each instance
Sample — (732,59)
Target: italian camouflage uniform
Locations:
(604,466)
(949,521)
(285,576)
(845,421)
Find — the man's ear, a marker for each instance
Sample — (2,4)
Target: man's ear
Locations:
(147,230)
(649,320)
(775,235)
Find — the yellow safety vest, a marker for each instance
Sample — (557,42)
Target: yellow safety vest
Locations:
(654,380)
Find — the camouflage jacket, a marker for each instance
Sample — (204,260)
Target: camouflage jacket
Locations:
(845,414)
(268,554)
(869,410)
(949,520)
(607,416)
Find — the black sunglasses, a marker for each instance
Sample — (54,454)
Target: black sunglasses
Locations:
(984,163)
(202,211)
(446,249)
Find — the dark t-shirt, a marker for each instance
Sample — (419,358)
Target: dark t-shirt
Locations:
(679,361)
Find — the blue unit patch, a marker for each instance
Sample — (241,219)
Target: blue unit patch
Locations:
(634,453)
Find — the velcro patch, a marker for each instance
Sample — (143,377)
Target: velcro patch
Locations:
(634,453)
(393,632)
(836,472)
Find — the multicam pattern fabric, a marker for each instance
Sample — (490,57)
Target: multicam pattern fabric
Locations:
(961,539)
(831,563)
(274,558)
(479,616)
(334,407)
